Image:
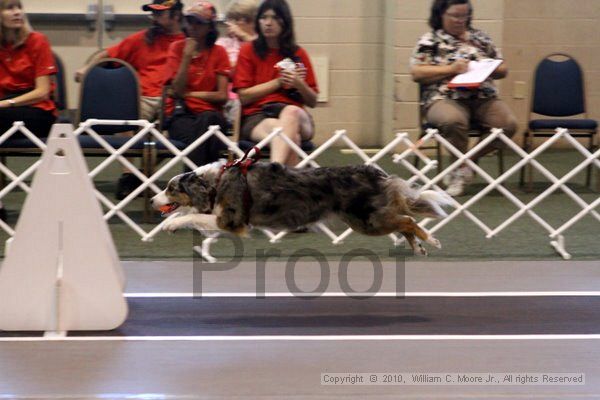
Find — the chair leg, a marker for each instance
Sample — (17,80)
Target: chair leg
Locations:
(529,187)
(416,161)
(588,174)
(2,176)
(526,167)
(500,162)
(148,162)
(438,150)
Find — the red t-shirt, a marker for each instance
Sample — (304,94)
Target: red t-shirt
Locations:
(148,60)
(202,74)
(19,67)
(251,70)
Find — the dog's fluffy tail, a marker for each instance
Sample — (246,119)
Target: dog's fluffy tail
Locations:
(431,202)
(427,202)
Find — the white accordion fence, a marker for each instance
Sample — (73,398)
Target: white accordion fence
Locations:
(149,133)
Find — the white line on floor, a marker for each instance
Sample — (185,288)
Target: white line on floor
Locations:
(301,338)
(378,294)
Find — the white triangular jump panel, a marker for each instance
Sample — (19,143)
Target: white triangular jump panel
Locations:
(62,271)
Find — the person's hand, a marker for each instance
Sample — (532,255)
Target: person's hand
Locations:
(190,47)
(301,71)
(290,79)
(234,30)
(460,66)
(79,74)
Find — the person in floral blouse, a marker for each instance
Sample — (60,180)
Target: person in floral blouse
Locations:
(443,53)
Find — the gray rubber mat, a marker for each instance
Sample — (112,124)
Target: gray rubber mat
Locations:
(347,316)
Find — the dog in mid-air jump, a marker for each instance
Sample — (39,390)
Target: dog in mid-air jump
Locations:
(234,198)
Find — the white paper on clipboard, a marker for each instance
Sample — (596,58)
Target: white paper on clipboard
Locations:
(477,73)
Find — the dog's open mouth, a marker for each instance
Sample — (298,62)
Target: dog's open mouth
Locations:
(168,208)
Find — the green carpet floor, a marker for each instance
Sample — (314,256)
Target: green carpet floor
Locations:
(462,239)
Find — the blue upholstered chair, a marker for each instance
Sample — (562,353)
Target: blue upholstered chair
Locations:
(60,90)
(559,93)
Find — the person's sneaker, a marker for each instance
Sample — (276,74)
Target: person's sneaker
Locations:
(127,183)
(456,187)
(458,180)
(449,178)
(466,173)
(3,215)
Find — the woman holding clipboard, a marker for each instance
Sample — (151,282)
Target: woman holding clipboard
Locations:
(439,56)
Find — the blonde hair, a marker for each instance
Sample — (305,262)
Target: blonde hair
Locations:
(242,9)
(22,33)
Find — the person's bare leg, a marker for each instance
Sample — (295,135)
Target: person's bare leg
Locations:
(263,129)
(296,125)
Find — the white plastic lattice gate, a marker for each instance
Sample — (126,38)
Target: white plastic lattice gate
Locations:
(410,149)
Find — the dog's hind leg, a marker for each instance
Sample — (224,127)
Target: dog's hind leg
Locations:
(408,225)
(415,244)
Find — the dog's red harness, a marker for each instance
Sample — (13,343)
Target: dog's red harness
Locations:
(243,164)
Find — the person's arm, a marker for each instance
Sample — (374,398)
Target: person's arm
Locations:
(81,71)
(180,80)
(39,93)
(295,79)
(219,96)
(257,92)
(426,74)
(235,31)
(244,81)
(500,72)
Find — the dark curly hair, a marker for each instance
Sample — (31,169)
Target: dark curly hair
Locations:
(287,39)
(439,7)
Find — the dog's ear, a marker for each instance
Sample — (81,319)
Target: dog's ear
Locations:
(199,191)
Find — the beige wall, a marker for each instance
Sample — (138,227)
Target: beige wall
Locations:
(535,28)
(350,34)
(368,44)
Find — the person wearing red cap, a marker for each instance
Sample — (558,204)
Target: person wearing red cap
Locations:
(199,71)
(146,51)
(275,80)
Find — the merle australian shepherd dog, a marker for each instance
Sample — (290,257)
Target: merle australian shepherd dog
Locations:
(270,195)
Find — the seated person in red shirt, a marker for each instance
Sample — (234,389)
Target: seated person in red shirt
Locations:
(199,72)
(26,63)
(147,52)
(271,96)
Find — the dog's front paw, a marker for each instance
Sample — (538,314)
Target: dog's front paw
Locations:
(419,250)
(172,225)
(434,242)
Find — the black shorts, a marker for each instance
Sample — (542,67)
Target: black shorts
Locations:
(38,121)
(271,110)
